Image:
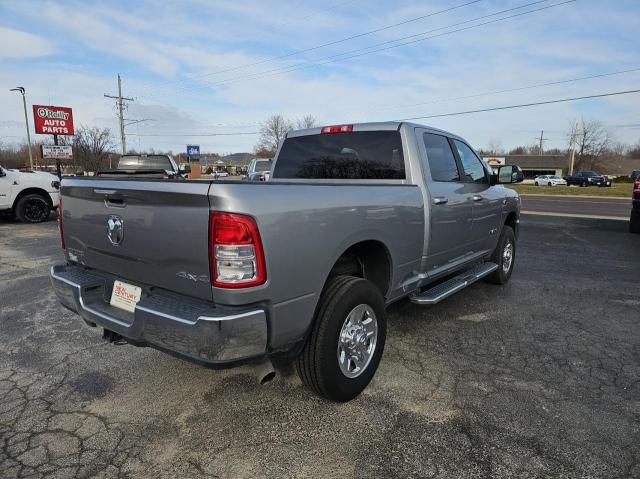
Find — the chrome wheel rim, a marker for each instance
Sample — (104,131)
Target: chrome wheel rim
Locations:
(357,340)
(507,257)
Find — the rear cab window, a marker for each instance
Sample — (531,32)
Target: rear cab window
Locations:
(356,155)
(150,162)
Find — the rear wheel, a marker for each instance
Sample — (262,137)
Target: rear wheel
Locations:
(583,184)
(549,184)
(347,339)
(634,221)
(504,256)
(33,208)
(537,184)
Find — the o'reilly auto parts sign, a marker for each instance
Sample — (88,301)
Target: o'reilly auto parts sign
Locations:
(53,120)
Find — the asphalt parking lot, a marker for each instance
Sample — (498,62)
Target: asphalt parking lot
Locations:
(539,378)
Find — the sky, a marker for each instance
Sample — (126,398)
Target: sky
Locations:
(205,67)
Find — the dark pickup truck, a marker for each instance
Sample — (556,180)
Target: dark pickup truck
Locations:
(143,166)
(587,178)
(634,220)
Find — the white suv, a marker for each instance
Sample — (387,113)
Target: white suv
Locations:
(550,180)
(29,195)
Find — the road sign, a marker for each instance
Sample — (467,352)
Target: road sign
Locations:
(54,152)
(53,120)
(193,152)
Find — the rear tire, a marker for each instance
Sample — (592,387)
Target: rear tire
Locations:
(504,256)
(634,221)
(319,364)
(537,184)
(549,184)
(33,208)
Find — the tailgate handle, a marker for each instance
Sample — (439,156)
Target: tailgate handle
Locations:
(115,202)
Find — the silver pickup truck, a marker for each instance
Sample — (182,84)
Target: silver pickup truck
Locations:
(302,266)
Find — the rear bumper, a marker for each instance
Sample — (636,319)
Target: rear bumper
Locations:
(179,325)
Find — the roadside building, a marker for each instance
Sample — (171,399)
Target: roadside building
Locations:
(535,165)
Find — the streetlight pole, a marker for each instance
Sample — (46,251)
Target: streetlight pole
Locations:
(26,121)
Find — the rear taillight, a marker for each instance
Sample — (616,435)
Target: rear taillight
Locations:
(236,257)
(337,129)
(60,224)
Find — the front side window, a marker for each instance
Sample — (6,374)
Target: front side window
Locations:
(442,163)
(474,172)
(345,156)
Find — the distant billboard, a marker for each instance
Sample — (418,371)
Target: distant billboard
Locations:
(55,152)
(494,160)
(193,152)
(53,120)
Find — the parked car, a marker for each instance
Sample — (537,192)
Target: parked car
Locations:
(147,166)
(549,180)
(587,178)
(634,219)
(355,218)
(29,195)
(259,170)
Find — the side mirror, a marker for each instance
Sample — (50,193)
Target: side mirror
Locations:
(185,168)
(509,174)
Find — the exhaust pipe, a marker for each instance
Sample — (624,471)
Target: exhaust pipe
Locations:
(264,372)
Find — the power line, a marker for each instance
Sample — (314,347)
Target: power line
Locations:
(201,134)
(361,51)
(511,90)
(317,47)
(522,105)
(440,115)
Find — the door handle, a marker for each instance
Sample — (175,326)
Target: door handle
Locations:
(440,200)
(476,198)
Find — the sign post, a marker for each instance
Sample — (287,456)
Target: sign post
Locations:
(193,155)
(54,120)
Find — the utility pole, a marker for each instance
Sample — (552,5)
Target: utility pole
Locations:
(21,90)
(120,102)
(572,147)
(542,139)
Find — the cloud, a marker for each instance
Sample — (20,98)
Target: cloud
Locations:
(18,44)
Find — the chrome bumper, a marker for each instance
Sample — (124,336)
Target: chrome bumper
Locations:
(184,326)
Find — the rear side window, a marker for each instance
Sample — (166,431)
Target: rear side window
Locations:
(442,163)
(357,155)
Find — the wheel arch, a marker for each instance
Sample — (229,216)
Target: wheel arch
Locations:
(511,220)
(30,191)
(368,259)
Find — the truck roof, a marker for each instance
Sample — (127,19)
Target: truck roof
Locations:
(372,126)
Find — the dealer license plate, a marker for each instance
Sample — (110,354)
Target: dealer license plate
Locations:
(125,296)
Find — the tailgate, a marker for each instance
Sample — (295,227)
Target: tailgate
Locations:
(145,232)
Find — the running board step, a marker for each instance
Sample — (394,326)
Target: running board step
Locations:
(443,290)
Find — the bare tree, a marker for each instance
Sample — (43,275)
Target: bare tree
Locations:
(272,133)
(92,147)
(307,121)
(495,147)
(593,140)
